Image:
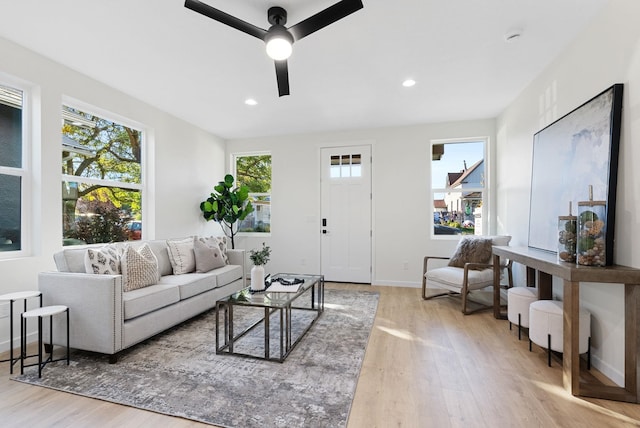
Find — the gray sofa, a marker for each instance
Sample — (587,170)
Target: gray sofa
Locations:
(105,318)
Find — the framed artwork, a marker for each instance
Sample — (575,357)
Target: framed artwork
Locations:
(577,151)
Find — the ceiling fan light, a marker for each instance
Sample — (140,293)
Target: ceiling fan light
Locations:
(279,49)
(279,43)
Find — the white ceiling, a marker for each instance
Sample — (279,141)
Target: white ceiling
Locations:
(346,76)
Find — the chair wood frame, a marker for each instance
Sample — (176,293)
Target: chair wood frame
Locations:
(464,288)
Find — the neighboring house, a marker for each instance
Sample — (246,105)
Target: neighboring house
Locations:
(461,205)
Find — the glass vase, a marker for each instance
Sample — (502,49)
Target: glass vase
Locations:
(592,226)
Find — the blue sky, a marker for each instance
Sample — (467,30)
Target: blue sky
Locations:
(455,154)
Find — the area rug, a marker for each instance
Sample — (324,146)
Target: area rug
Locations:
(179,373)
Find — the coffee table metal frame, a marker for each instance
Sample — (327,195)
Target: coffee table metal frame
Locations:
(272,302)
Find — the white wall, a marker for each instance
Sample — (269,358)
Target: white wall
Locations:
(607,52)
(186,160)
(401,199)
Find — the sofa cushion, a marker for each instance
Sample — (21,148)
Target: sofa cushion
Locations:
(227,274)
(144,300)
(207,258)
(219,242)
(159,248)
(181,255)
(139,268)
(70,260)
(192,284)
(103,261)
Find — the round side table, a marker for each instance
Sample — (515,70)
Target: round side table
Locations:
(45,311)
(11,298)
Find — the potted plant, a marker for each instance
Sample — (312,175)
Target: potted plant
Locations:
(227,205)
(259,258)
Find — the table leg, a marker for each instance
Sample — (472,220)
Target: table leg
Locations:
(571,337)
(266,333)
(496,287)
(632,340)
(545,286)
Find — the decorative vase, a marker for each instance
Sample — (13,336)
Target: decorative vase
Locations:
(592,226)
(567,229)
(257,278)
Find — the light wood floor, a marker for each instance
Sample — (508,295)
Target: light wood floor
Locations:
(426,365)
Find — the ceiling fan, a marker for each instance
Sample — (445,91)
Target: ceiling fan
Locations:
(278,38)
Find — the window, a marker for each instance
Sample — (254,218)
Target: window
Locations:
(13,171)
(458,186)
(254,171)
(101,179)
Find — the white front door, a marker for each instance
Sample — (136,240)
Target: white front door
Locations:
(346,214)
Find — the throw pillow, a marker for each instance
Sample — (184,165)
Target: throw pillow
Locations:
(181,255)
(207,258)
(104,261)
(472,249)
(217,242)
(139,267)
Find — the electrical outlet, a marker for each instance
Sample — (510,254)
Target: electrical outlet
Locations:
(405,265)
(4,311)
(303,262)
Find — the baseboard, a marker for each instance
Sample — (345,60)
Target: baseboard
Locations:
(4,345)
(408,284)
(607,370)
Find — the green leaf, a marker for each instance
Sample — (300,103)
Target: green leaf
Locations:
(236,210)
(214,206)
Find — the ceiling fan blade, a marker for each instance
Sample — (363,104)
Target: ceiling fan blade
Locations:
(282,74)
(225,18)
(326,17)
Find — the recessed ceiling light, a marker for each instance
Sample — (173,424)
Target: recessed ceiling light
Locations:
(250,102)
(408,83)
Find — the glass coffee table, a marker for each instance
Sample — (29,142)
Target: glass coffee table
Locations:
(283,323)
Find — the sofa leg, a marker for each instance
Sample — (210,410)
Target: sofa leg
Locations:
(48,348)
(113,358)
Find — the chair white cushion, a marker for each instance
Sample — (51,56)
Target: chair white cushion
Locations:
(450,277)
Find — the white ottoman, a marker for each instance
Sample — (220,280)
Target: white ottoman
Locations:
(546,328)
(518,301)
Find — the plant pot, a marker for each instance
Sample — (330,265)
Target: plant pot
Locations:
(257,278)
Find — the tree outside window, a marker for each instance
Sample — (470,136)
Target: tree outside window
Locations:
(254,171)
(101,179)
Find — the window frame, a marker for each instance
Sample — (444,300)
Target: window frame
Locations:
(234,172)
(485,190)
(145,139)
(25,171)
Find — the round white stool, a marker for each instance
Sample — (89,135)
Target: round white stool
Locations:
(46,311)
(518,301)
(11,298)
(546,328)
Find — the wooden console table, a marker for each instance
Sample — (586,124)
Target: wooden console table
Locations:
(546,265)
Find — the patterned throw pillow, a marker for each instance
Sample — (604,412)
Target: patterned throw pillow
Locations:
(104,261)
(219,242)
(181,255)
(472,249)
(207,258)
(139,268)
